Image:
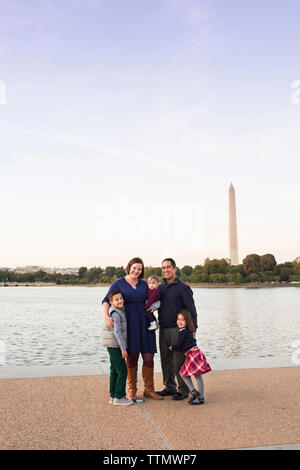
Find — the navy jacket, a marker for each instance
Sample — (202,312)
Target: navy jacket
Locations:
(174,297)
(185,341)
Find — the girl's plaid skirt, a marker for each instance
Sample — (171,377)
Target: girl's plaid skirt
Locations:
(195,363)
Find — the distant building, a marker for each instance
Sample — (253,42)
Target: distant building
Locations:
(34,269)
(27,269)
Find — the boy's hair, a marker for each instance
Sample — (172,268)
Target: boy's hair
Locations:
(188,318)
(171,261)
(113,292)
(134,261)
(153,276)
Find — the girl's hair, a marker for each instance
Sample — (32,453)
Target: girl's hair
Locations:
(188,318)
(133,261)
(153,276)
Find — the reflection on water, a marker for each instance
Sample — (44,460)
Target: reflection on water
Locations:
(233,332)
(62,325)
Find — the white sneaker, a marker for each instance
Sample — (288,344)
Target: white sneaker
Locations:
(153,325)
(122,401)
(111,400)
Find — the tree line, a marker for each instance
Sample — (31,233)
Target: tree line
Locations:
(254,268)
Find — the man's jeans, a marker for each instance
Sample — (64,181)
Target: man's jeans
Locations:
(171,361)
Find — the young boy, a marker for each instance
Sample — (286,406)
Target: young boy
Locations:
(153,301)
(115,340)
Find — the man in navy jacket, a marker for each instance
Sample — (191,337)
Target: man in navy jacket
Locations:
(175,295)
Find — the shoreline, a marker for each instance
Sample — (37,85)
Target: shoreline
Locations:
(200,286)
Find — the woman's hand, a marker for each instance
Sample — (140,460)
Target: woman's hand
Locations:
(170,347)
(124,354)
(109,322)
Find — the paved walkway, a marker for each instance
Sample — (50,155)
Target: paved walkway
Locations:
(245,408)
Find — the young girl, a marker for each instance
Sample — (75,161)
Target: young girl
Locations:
(195,363)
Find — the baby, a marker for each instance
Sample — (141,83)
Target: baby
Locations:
(153,301)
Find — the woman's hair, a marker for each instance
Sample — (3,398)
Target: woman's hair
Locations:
(134,261)
(188,318)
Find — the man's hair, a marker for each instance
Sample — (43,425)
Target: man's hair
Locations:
(113,292)
(171,261)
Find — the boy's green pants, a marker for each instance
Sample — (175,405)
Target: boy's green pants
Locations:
(118,373)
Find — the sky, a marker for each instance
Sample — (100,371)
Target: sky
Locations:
(123,123)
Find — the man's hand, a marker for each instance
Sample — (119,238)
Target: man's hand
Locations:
(170,347)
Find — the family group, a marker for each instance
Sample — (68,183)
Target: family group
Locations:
(130,328)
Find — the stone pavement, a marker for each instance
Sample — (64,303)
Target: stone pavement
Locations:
(245,408)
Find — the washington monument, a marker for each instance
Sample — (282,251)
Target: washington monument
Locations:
(233,238)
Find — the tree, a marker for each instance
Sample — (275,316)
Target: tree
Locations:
(94,273)
(216,266)
(104,279)
(268,262)
(285,274)
(198,269)
(196,277)
(218,278)
(251,264)
(82,272)
(238,278)
(120,272)
(40,275)
(187,270)
(110,271)
(253,277)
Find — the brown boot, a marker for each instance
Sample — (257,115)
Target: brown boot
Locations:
(148,378)
(131,383)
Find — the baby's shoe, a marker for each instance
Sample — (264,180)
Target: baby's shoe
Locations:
(153,325)
(122,401)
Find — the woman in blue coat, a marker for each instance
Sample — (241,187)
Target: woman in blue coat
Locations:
(139,338)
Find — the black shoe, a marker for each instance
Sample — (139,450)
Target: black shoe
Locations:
(179,396)
(195,398)
(165,393)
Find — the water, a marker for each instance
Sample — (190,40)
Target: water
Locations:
(62,325)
